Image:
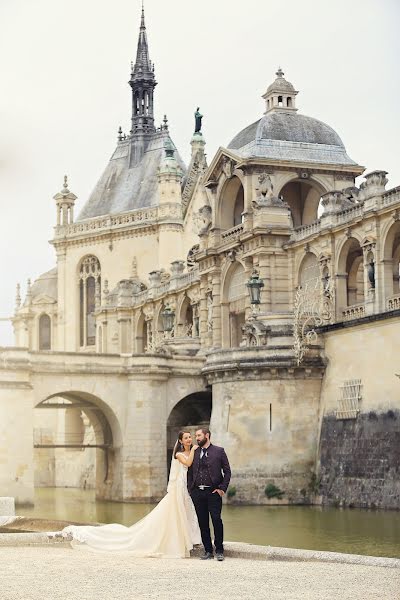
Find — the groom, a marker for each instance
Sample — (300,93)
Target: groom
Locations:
(208,479)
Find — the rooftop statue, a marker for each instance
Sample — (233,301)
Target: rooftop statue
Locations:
(198,117)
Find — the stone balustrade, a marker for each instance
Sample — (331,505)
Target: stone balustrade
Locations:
(306,230)
(391,196)
(349,214)
(393,303)
(232,234)
(356,311)
(138,217)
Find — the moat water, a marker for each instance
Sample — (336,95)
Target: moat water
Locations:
(354,531)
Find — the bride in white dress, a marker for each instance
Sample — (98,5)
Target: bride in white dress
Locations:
(170,530)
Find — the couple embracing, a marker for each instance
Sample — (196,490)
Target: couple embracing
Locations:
(198,479)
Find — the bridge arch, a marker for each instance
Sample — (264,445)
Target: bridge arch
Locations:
(88,424)
(190,413)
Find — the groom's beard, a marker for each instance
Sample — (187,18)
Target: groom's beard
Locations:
(202,443)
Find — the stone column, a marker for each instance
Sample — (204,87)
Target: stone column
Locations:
(145,443)
(216,294)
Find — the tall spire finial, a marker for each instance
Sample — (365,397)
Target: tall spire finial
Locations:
(142,82)
(142,23)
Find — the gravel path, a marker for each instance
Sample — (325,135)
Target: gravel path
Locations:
(47,573)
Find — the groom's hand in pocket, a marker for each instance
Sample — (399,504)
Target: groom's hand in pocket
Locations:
(219,492)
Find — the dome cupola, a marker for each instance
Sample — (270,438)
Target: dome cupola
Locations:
(280,95)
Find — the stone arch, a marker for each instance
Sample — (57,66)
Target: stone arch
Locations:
(303,197)
(391,259)
(106,441)
(141,334)
(185,320)
(230,203)
(191,412)
(350,274)
(233,307)
(308,270)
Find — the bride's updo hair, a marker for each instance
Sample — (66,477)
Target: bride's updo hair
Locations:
(179,446)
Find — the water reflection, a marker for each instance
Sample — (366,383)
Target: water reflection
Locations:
(340,530)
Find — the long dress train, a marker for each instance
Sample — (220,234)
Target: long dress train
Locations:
(170,530)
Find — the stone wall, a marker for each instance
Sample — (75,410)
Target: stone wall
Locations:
(360,460)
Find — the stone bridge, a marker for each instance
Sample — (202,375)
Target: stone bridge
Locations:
(136,404)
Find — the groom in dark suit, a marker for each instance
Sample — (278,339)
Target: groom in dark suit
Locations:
(208,479)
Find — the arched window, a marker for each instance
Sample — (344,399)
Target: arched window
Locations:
(303,199)
(89,296)
(289,102)
(280,101)
(45,333)
(231,204)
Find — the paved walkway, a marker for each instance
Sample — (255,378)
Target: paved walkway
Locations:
(47,573)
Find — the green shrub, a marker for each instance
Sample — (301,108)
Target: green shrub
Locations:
(271,491)
(231,491)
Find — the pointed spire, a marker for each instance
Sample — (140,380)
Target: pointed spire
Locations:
(28,297)
(18,298)
(142,82)
(142,55)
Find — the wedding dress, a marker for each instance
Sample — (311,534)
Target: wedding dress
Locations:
(170,530)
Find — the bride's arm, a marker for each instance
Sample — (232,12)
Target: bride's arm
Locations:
(186,460)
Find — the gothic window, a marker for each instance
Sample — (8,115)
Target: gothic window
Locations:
(89,295)
(45,333)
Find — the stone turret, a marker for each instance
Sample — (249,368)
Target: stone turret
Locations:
(65,201)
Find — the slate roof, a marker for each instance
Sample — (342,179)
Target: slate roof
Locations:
(121,187)
(290,136)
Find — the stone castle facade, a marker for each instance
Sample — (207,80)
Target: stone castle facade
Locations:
(146,324)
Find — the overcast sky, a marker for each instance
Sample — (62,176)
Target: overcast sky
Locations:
(65,64)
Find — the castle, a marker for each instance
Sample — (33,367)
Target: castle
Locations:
(258,294)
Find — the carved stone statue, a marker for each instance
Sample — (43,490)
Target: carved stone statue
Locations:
(197,117)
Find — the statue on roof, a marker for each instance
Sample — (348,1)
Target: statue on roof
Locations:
(197,117)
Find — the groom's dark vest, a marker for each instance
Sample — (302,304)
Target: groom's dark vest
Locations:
(218,468)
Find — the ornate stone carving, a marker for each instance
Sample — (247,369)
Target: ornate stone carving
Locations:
(335,201)
(265,193)
(202,220)
(255,333)
(191,256)
(227,167)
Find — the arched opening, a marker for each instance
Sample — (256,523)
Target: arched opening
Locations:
(280,101)
(350,276)
(289,102)
(76,444)
(143,334)
(189,414)
(391,264)
(44,332)
(231,203)
(309,274)
(89,294)
(234,305)
(303,199)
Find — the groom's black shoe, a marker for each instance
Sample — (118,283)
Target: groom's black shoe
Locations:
(207,556)
(220,556)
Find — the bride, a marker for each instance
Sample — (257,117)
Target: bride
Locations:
(170,530)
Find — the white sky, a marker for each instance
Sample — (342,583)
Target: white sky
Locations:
(65,64)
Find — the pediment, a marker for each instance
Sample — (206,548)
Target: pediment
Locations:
(43,299)
(225,162)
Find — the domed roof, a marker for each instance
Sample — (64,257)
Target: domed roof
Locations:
(280,84)
(290,136)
